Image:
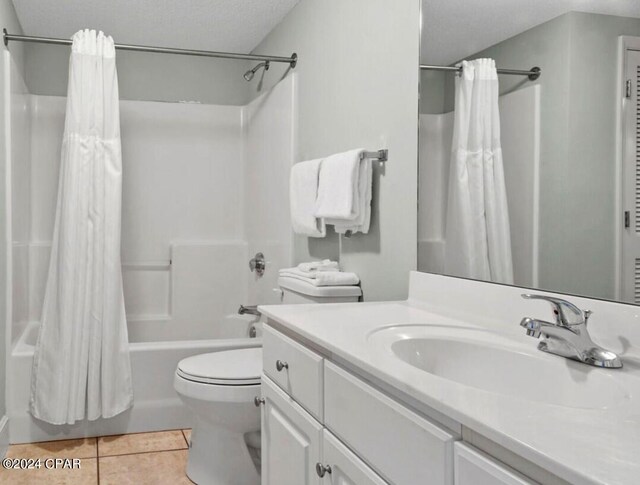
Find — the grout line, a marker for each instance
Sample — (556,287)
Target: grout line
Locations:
(97,462)
(185,438)
(143,452)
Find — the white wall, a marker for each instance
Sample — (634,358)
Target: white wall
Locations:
(270,129)
(520,127)
(358,87)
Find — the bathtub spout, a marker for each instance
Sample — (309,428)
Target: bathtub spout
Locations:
(250,310)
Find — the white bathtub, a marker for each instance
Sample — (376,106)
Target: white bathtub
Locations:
(156,404)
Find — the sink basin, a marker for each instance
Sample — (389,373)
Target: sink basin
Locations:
(490,362)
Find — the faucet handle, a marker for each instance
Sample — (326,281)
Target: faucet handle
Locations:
(566,313)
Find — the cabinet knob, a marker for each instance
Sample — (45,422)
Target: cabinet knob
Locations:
(321,469)
(258,401)
(281,365)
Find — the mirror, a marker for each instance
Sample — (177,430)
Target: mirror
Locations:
(538,184)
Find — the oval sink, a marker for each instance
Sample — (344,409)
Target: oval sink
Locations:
(501,370)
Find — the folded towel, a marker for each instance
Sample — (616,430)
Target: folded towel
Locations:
(338,186)
(363,220)
(322,278)
(324,265)
(303,190)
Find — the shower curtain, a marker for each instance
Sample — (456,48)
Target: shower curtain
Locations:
(81,366)
(478,239)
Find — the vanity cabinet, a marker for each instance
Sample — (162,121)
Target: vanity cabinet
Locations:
(296,448)
(323,425)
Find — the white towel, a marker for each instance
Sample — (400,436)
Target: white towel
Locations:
(363,220)
(322,278)
(338,186)
(303,190)
(324,265)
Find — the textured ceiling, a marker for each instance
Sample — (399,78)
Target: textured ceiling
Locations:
(223,25)
(454,29)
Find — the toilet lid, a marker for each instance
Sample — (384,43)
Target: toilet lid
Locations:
(241,367)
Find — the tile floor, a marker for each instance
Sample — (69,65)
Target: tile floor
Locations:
(139,458)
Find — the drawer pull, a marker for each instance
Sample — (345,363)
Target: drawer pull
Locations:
(281,365)
(321,469)
(258,401)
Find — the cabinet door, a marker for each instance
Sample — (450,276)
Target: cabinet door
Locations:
(472,467)
(291,440)
(345,467)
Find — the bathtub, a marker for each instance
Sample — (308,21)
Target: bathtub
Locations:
(156,405)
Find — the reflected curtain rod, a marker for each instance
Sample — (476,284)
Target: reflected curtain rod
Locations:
(533,73)
(292,61)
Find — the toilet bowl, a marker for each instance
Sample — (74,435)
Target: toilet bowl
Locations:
(219,389)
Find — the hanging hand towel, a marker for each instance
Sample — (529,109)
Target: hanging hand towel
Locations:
(362,222)
(338,186)
(303,190)
(81,367)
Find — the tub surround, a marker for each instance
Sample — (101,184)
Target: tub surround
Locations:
(582,430)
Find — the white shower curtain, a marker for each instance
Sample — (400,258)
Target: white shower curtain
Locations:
(81,367)
(478,239)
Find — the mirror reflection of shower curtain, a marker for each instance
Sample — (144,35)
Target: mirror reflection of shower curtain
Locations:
(478,241)
(81,366)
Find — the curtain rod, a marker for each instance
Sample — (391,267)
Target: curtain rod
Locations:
(292,61)
(533,73)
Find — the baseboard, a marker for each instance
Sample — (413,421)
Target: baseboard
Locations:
(4,436)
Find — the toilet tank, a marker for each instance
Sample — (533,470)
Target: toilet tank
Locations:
(296,291)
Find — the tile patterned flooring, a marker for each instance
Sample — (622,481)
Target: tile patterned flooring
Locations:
(140,458)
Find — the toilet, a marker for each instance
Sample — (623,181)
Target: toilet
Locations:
(220,387)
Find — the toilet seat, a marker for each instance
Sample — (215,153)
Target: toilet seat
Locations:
(240,367)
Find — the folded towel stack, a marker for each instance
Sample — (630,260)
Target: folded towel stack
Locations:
(335,190)
(321,273)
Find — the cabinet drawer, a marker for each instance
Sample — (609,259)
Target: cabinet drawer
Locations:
(346,468)
(472,467)
(294,368)
(402,446)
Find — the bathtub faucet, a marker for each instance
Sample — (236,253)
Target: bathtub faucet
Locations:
(250,310)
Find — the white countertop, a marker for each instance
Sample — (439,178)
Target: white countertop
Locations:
(580,445)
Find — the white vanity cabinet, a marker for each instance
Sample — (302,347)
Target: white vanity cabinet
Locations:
(296,448)
(334,428)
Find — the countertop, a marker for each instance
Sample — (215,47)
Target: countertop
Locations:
(579,445)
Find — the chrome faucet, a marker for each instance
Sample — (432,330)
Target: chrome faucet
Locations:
(249,310)
(568,335)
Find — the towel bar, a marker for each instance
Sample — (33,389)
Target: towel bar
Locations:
(380,155)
